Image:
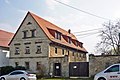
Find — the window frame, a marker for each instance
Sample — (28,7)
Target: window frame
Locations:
(39,50)
(27,65)
(56,50)
(27,50)
(17,50)
(25,34)
(33,32)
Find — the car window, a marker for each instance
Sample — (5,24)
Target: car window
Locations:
(16,73)
(114,68)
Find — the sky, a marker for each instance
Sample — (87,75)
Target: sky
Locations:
(12,13)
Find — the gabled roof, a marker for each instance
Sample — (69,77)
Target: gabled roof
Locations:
(46,26)
(49,29)
(5,38)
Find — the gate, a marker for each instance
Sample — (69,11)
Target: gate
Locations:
(79,69)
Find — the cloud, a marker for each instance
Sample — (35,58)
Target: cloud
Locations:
(7,1)
(52,4)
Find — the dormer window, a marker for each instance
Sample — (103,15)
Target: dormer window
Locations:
(58,35)
(76,43)
(69,40)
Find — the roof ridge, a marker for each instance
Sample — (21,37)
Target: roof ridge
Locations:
(51,23)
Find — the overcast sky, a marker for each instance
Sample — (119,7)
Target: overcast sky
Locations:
(12,13)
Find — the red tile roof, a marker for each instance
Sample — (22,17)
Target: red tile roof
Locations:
(5,38)
(49,29)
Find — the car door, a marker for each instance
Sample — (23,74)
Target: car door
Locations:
(12,76)
(113,73)
(15,75)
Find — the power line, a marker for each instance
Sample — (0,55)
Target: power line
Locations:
(87,30)
(81,10)
(89,33)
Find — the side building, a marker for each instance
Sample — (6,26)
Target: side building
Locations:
(5,38)
(40,45)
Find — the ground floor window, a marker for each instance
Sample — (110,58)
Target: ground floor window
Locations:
(27,65)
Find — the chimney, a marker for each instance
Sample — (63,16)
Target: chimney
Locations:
(69,31)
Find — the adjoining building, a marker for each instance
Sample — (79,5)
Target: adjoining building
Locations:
(39,44)
(5,38)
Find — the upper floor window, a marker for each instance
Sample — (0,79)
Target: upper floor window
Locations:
(63,52)
(56,50)
(38,49)
(33,32)
(25,33)
(73,54)
(17,51)
(68,53)
(27,49)
(58,35)
(69,40)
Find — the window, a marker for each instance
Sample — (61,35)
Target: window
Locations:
(27,49)
(62,51)
(84,55)
(33,32)
(56,50)
(16,73)
(16,64)
(27,65)
(68,53)
(25,34)
(114,68)
(38,49)
(58,35)
(73,54)
(69,40)
(38,65)
(17,51)
(29,23)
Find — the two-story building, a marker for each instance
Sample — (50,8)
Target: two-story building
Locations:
(39,43)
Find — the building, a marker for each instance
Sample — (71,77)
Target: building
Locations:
(40,44)
(5,37)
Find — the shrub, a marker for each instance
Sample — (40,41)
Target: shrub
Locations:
(20,68)
(6,70)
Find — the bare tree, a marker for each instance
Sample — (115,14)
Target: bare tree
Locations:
(109,43)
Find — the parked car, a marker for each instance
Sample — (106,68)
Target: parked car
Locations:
(110,73)
(18,75)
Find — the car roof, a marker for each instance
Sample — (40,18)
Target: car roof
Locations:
(19,71)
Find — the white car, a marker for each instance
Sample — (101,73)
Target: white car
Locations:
(18,75)
(110,73)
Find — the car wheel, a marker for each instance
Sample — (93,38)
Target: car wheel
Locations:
(22,79)
(101,78)
(2,78)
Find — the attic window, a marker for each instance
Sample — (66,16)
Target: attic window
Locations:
(29,23)
(58,35)
(69,40)
(25,33)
